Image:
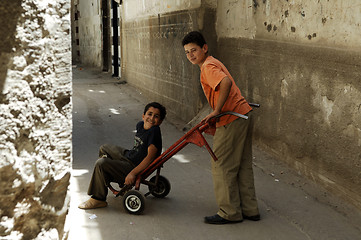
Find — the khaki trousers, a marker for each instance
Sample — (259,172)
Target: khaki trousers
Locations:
(233,173)
(112,166)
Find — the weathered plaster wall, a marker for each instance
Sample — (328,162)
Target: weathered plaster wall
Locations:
(143,8)
(302,62)
(89,34)
(152,53)
(322,23)
(35,118)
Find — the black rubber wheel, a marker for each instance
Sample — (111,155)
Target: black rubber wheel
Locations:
(162,188)
(133,202)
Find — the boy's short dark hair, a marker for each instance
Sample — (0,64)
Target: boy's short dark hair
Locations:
(161,108)
(194,37)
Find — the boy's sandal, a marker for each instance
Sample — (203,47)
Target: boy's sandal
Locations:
(93,203)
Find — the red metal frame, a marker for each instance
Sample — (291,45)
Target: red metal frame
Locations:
(192,136)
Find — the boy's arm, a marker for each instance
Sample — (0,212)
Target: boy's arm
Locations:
(224,89)
(152,153)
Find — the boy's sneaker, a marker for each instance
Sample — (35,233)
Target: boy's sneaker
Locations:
(93,203)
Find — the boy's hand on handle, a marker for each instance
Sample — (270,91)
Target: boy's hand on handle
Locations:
(130,179)
(209,116)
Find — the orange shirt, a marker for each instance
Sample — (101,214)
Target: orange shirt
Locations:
(212,73)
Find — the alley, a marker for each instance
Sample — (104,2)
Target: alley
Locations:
(105,111)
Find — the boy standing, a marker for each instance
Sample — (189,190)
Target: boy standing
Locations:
(232,142)
(120,165)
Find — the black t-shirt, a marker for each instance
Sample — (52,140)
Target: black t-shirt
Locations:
(142,140)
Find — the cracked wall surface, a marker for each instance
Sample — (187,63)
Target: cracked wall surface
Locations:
(88,37)
(35,118)
(324,23)
(152,51)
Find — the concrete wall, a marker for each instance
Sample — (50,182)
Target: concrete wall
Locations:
(35,118)
(302,62)
(153,58)
(89,33)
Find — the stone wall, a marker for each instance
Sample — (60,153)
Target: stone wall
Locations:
(153,58)
(87,32)
(35,118)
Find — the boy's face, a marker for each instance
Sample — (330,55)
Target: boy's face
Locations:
(151,118)
(196,54)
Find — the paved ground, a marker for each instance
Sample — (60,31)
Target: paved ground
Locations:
(106,112)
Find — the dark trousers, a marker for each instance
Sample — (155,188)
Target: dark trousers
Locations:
(112,166)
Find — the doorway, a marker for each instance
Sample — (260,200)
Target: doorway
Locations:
(115,32)
(106,35)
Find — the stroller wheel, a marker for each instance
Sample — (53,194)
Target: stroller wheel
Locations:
(162,187)
(133,202)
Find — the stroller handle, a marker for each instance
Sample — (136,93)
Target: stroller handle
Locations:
(236,114)
(231,113)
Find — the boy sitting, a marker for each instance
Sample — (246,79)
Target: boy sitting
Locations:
(120,165)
